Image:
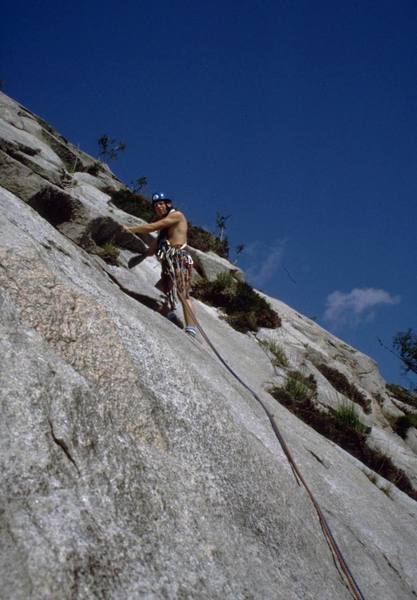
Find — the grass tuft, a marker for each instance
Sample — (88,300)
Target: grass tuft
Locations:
(109,253)
(346,415)
(298,390)
(279,358)
(299,386)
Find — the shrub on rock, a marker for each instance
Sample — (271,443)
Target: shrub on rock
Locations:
(109,253)
(204,240)
(245,309)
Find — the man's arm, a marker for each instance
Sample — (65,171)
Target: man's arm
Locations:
(157,225)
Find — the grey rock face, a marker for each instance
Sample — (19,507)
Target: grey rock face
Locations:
(134,466)
(18,178)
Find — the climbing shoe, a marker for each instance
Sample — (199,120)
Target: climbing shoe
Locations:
(191,330)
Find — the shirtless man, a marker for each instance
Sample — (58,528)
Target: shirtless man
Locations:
(169,248)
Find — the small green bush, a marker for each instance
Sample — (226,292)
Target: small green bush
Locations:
(218,292)
(245,309)
(279,357)
(225,281)
(109,253)
(342,385)
(298,389)
(248,311)
(346,415)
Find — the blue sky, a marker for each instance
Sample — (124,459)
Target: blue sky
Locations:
(297,118)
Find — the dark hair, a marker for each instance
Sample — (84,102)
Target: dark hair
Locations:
(166,200)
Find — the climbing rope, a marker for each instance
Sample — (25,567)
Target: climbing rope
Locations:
(330,539)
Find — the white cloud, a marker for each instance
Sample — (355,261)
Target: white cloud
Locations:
(355,306)
(265,261)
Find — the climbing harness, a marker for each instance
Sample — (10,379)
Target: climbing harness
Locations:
(330,539)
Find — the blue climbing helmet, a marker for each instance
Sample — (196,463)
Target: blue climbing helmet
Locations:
(161,198)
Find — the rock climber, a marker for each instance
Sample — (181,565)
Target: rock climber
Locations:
(176,263)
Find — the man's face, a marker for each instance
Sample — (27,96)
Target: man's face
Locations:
(160,208)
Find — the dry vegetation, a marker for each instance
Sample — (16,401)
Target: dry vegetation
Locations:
(245,309)
(342,426)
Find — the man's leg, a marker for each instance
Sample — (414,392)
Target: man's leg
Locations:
(188,310)
(183,283)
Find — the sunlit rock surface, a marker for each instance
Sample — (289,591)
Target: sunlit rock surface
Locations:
(133,464)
